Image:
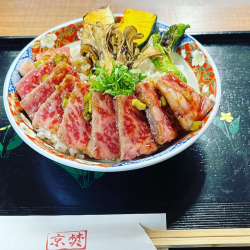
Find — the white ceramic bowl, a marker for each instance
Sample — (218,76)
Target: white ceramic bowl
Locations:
(196,57)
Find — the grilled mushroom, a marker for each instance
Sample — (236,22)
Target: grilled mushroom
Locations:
(104,43)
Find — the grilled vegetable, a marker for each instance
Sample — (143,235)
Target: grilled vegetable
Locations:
(173,34)
(104,44)
(103,15)
(144,22)
(150,52)
(163,62)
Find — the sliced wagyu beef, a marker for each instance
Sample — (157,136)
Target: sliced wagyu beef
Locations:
(50,113)
(33,79)
(104,142)
(187,104)
(25,67)
(35,75)
(134,131)
(53,52)
(41,93)
(74,130)
(163,124)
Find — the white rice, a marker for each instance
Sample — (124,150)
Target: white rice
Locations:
(79,62)
(153,73)
(55,142)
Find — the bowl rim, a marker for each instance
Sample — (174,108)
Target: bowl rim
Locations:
(134,166)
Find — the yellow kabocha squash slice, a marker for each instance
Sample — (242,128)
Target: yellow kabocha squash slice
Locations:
(144,22)
(103,15)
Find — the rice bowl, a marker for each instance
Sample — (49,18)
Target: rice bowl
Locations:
(75,158)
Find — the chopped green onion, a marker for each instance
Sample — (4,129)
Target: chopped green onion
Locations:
(163,101)
(121,80)
(57,58)
(195,126)
(87,97)
(135,71)
(84,112)
(187,96)
(87,117)
(138,104)
(64,102)
(44,58)
(86,105)
(37,63)
(44,77)
(90,106)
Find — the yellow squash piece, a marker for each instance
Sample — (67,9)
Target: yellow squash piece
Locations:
(144,22)
(103,15)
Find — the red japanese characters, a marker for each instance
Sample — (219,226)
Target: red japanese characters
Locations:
(67,240)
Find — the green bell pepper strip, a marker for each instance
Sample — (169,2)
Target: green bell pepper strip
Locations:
(164,63)
(173,34)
